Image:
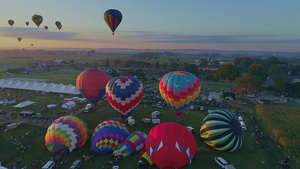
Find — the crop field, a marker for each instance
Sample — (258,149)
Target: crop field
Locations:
(283,122)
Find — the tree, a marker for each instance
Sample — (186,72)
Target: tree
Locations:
(203,62)
(259,71)
(156,65)
(227,72)
(278,69)
(248,84)
(173,66)
(115,73)
(117,62)
(106,63)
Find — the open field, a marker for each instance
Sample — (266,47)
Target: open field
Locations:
(248,157)
(283,122)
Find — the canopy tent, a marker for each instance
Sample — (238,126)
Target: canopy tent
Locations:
(39,86)
(24,104)
(51,105)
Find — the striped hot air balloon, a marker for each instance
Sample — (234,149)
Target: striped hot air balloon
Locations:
(11,22)
(107,136)
(37,19)
(133,143)
(66,134)
(221,130)
(180,90)
(124,93)
(144,160)
(113,18)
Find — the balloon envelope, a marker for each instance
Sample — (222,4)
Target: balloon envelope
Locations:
(46,27)
(180,90)
(19,39)
(91,84)
(66,134)
(113,18)
(27,23)
(11,22)
(144,160)
(58,25)
(37,19)
(133,143)
(221,130)
(170,145)
(107,136)
(124,93)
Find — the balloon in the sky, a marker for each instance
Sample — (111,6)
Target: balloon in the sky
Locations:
(170,145)
(46,27)
(19,39)
(37,19)
(107,136)
(133,143)
(66,134)
(58,25)
(91,84)
(27,23)
(144,160)
(113,18)
(221,130)
(11,22)
(31,44)
(180,90)
(124,93)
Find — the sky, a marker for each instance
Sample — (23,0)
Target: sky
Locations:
(256,25)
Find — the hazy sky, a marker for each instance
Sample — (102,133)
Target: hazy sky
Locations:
(269,25)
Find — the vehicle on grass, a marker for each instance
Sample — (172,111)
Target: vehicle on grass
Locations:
(220,161)
(87,108)
(229,166)
(243,125)
(155,114)
(76,164)
(155,121)
(240,118)
(49,165)
(159,106)
(11,126)
(22,123)
(202,108)
(147,120)
(191,107)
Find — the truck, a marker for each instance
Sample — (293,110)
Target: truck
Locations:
(11,126)
(88,107)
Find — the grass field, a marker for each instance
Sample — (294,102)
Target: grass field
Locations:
(284,124)
(248,157)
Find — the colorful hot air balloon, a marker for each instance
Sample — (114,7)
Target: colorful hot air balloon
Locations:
(170,145)
(37,19)
(133,143)
(46,27)
(144,160)
(113,18)
(66,134)
(27,23)
(11,22)
(58,25)
(19,39)
(180,90)
(107,136)
(91,84)
(221,130)
(124,93)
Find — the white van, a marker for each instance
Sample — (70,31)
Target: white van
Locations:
(49,165)
(220,161)
(240,118)
(243,125)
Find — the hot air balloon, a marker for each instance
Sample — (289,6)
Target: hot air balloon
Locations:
(180,90)
(27,23)
(124,93)
(91,84)
(31,44)
(19,39)
(37,19)
(221,130)
(133,143)
(170,145)
(58,25)
(11,22)
(144,160)
(46,27)
(66,134)
(113,18)
(107,136)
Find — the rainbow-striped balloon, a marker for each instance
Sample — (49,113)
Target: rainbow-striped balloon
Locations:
(37,19)
(179,89)
(133,143)
(66,134)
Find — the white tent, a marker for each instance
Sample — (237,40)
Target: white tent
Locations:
(58,88)
(30,85)
(24,104)
(49,87)
(6,83)
(22,85)
(14,84)
(40,86)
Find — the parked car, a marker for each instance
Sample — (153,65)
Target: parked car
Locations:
(243,125)
(220,161)
(76,164)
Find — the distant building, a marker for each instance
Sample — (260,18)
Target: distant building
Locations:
(61,62)
(45,63)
